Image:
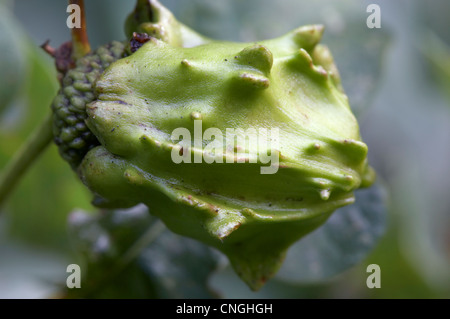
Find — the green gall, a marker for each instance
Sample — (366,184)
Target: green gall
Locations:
(180,82)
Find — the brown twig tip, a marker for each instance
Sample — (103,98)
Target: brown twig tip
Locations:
(80,40)
(63,57)
(48,48)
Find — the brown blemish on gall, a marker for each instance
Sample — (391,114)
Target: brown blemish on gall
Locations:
(138,41)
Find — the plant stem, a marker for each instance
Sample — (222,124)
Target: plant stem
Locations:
(145,240)
(80,42)
(23,159)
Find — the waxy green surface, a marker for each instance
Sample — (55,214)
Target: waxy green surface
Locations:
(178,77)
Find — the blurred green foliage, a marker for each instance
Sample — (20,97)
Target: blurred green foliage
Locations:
(129,254)
(13,62)
(37,210)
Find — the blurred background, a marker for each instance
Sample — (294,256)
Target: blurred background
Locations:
(398,81)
